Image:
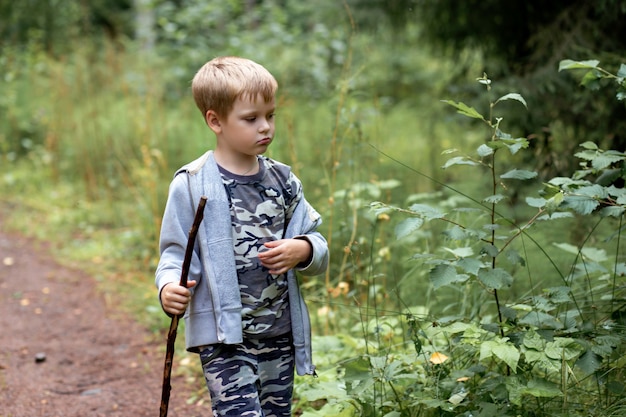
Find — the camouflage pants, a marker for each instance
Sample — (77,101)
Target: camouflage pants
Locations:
(252,379)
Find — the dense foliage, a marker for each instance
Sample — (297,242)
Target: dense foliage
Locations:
(521,43)
(556,350)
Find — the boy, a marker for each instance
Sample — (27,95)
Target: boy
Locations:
(244,313)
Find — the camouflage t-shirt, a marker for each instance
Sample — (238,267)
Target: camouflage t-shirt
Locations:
(260,208)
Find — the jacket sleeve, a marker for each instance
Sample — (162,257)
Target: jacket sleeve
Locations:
(177,221)
(319,257)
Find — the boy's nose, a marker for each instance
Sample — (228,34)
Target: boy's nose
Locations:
(265,126)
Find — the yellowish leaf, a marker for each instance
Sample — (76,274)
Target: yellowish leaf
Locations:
(438,358)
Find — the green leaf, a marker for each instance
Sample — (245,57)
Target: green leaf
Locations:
(515,258)
(589,362)
(612,211)
(519,174)
(380,208)
(621,73)
(323,390)
(594,254)
(556,216)
(464,109)
(513,96)
(470,265)
(408,226)
(461,252)
(559,295)
(605,345)
(457,327)
(536,202)
(456,398)
(515,391)
(587,155)
(589,145)
(490,250)
(541,320)
(502,350)
(484,150)
(568,64)
(444,274)
(554,202)
(566,182)
(495,278)
(515,145)
(591,80)
(459,160)
(542,388)
(357,371)
(616,387)
(533,341)
(580,204)
(563,348)
(455,233)
(494,199)
(427,212)
(605,160)
(569,248)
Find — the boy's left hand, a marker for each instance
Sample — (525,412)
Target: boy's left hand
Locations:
(283,255)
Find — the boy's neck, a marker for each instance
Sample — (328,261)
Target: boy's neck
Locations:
(246,165)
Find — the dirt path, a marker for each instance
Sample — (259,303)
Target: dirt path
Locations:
(90,364)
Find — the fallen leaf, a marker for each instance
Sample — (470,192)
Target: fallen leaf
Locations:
(438,358)
(24,301)
(8,261)
(457,398)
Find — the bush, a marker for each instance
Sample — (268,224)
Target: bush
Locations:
(555,350)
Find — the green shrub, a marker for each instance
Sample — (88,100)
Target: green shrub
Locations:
(480,348)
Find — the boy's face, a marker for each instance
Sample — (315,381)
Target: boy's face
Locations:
(248,129)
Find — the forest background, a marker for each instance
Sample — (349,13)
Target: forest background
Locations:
(473,271)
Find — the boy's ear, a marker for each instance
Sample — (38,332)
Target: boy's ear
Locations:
(213,121)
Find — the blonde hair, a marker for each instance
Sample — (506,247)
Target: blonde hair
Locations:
(221,81)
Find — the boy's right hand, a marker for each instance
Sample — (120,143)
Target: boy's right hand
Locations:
(175,298)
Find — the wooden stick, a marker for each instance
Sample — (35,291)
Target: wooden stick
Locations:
(171,334)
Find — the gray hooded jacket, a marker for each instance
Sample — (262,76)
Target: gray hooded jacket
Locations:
(214,312)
